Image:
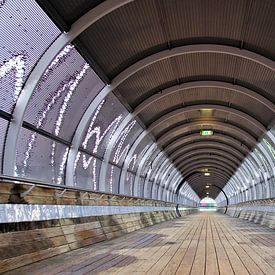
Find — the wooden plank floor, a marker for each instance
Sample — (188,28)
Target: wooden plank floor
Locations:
(202,243)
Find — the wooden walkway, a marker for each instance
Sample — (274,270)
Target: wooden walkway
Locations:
(203,243)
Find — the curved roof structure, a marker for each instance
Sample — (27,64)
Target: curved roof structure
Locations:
(116,93)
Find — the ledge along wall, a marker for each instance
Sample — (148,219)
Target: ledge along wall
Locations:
(257,211)
(48,221)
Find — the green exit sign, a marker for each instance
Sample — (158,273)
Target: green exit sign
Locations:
(206,132)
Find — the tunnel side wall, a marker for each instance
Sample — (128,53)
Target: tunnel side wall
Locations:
(257,211)
(29,233)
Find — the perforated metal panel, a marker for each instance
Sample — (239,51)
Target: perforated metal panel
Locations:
(40,158)
(26,32)
(147,192)
(124,142)
(138,154)
(140,187)
(3,129)
(156,164)
(129,183)
(63,94)
(87,171)
(103,124)
(149,165)
(113,175)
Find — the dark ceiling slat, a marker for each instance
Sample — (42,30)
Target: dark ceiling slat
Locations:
(55,16)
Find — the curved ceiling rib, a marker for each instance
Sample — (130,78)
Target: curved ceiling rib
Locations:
(203,153)
(139,66)
(164,138)
(204,161)
(198,167)
(223,108)
(204,144)
(214,153)
(181,142)
(203,84)
(222,138)
(195,179)
(212,169)
(159,121)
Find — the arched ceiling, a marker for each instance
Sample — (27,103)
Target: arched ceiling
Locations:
(184,66)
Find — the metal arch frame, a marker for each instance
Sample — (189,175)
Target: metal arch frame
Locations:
(164,166)
(216,137)
(195,178)
(240,131)
(177,181)
(207,162)
(148,175)
(142,162)
(175,163)
(128,157)
(170,179)
(154,173)
(194,169)
(271,135)
(214,175)
(155,181)
(181,87)
(174,174)
(218,107)
(77,28)
(244,164)
(210,163)
(260,163)
(182,110)
(176,178)
(229,173)
(139,65)
(200,189)
(141,165)
(205,152)
(271,139)
(159,171)
(205,156)
(212,167)
(203,84)
(267,154)
(206,144)
(167,171)
(162,174)
(199,183)
(255,161)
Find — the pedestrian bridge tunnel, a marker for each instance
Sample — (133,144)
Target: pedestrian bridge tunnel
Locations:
(120,114)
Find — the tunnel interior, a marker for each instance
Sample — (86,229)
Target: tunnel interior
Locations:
(148,104)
